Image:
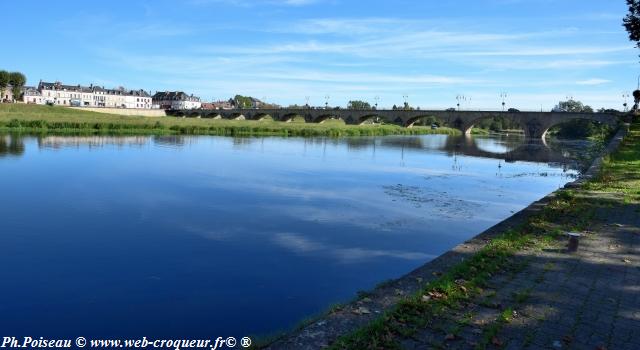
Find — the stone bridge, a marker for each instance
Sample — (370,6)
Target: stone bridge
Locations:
(534,124)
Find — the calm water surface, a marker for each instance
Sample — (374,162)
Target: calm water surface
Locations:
(208,236)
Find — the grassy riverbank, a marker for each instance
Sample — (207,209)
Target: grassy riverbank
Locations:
(61,120)
(458,291)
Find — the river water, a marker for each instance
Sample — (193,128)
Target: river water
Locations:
(199,237)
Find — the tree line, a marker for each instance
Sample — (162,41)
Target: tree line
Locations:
(14,79)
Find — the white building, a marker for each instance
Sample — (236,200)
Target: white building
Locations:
(31,95)
(93,96)
(176,100)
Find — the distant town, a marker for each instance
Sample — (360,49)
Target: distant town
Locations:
(94,96)
(13,89)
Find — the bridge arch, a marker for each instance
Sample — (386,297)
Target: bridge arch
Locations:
(194,113)
(289,117)
(211,114)
(324,117)
(429,117)
(236,116)
(513,119)
(601,118)
(260,116)
(375,117)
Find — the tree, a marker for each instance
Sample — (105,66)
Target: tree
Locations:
(406,107)
(609,110)
(17,81)
(632,21)
(572,105)
(4,80)
(636,99)
(357,104)
(243,101)
(577,128)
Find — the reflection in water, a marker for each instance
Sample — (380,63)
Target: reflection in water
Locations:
(145,236)
(170,140)
(11,145)
(58,142)
(506,148)
(499,144)
(560,153)
(175,141)
(411,142)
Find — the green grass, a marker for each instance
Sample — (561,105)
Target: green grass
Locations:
(621,170)
(61,120)
(568,210)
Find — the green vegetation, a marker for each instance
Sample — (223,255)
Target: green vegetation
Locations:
(15,79)
(357,104)
(568,210)
(632,21)
(497,124)
(250,102)
(243,101)
(4,80)
(621,170)
(579,128)
(52,119)
(405,107)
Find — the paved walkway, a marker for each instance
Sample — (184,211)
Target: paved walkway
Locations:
(552,299)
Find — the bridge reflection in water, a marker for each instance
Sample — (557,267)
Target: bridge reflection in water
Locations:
(565,154)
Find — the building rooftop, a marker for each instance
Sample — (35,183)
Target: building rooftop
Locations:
(91,89)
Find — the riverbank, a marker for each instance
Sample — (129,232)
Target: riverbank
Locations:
(61,120)
(124,111)
(515,286)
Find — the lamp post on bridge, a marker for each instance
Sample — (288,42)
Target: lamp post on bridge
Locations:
(625,96)
(326,101)
(405,97)
(503,96)
(460,99)
(377,98)
(306,98)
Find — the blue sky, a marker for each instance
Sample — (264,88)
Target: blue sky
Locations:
(537,51)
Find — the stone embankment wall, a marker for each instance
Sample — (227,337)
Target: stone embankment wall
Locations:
(125,111)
